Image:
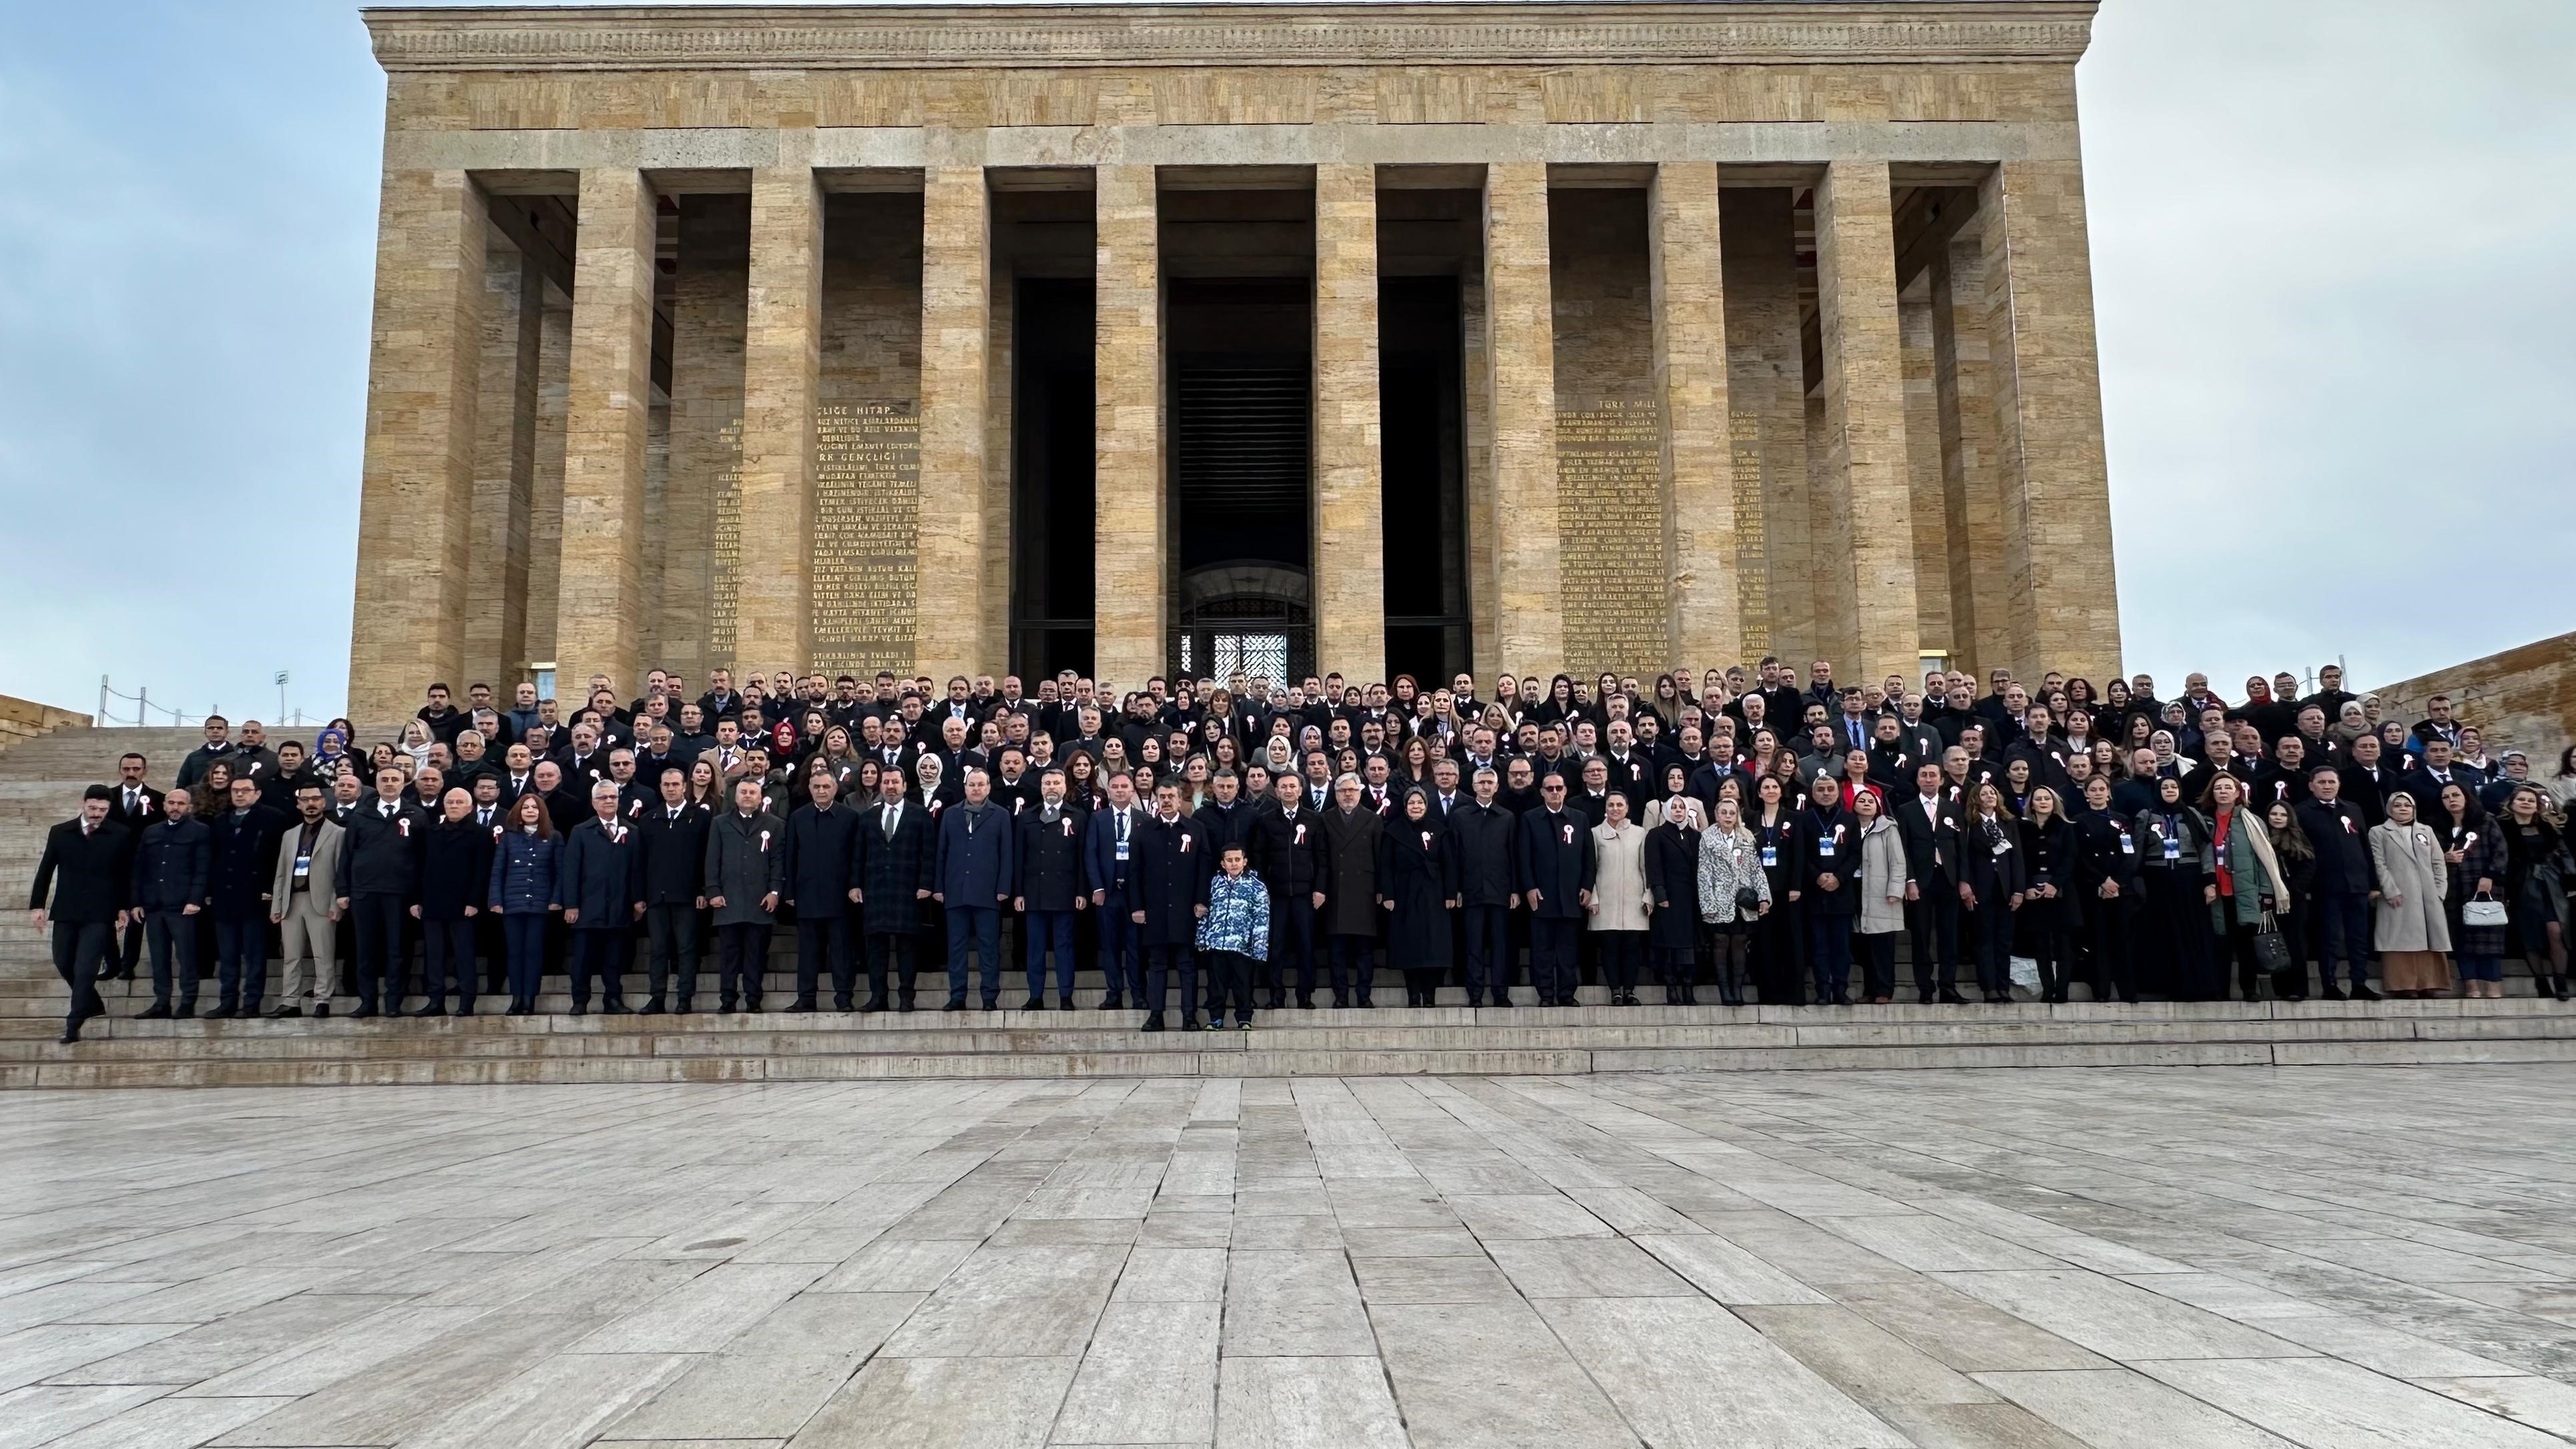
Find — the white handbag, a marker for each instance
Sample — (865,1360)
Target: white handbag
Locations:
(2483,911)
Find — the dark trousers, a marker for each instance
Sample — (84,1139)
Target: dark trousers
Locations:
(447,961)
(1229,978)
(2050,947)
(1932,925)
(823,941)
(606,950)
(1829,942)
(131,952)
(1162,962)
(2343,933)
(2238,945)
(241,960)
(1621,954)
(523,937)
(1046,931)
(672,935)
(1118,949)
(1292,944)
(1989,936)
(742,954)
(980,927)
(379,915)
(1353,960)
(489,945)
(890,949)
(172,934)
(1488,954)
(1878,965)
(2106,933)
(80,947)
(1552,956)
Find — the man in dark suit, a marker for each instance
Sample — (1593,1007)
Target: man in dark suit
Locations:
(672,837)
(822,840)
(84,884)
(1484,839)
(895,858)
(1928,818)
(2339,894)
(1171,890)
(1049,889)
(376,876)
(973,884)
(1109,870)
(1287,845)
(136,807)
(597,879)
(170,864)
(241,858)
(1556,876)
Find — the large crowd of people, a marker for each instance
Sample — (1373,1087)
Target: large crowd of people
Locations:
(1746,832)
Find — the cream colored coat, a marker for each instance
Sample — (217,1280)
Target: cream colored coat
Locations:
(2412,882)
(1882,874)
(1619,893)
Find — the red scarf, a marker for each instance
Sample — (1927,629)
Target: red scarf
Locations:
(2226,877)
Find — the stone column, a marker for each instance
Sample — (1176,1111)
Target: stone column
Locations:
(600,595)
(546,487)
(701,503)
(2048,414)
(1350,514)
(1923,470)
(1521,381)
(1984,629)
(1131,590)
(781,356)
(417,480)
(1690,376)
(1864,402)
(956,333)
(505,453)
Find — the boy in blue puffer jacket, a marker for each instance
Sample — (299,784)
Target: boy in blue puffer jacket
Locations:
(1235,932)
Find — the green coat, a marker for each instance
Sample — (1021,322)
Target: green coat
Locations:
(2248,848)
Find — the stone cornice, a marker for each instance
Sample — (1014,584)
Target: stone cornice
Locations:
(1461,32)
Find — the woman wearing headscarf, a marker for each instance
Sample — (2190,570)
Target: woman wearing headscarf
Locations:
(1672,874)
(1417,885)
(1621,899)
(2408,925)
(2175,943)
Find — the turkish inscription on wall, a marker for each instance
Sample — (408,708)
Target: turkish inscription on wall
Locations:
(867,522)
(1610,535)
(1752,563)
(725,548)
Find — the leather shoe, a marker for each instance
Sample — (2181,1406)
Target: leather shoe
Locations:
(652,1007)
(1153,1023)
(188,1009)
(220,1013)
(875,1004)
(1034,1003)
(321,1010)
(2331,992)
(800,1007)
(430,1009)
(2364,993)
(954,1006)
(463,1011)
(284,1013)
(157,1011)
(70,1036)
(579,1010)
(1064,1003)
(1949,997)
(361,1014)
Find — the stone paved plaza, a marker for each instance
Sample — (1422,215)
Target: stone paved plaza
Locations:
(2215,1257)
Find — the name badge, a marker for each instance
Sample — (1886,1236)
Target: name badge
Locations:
(303,866)
(2127,846)
(2002,849)
(1122,850)
(1824,850)
(1770,855)
(2173,850)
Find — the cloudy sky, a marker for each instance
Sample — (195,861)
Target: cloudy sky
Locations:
(2334,248)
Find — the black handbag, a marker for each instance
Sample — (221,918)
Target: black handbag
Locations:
(1748,901)
(2271,948)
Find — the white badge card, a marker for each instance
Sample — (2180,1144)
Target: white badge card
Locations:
(1770,855)
(303,865)
(2173,848)
(2127,846)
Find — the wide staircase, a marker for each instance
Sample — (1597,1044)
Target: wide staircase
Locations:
(40,783)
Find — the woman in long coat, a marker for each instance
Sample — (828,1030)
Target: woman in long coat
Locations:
(1672,875)
(2175,943)
(1773,821)
(1620,898)
(1418,881)
(1349,920)
(2409,927)
(1882,897)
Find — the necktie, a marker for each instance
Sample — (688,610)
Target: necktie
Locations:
(892,818)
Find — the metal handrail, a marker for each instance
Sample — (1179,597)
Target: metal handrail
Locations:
(145,709)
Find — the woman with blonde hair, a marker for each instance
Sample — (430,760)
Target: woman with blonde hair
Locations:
(2246,885)
(1620,899)
(2409,927)
(1734,892)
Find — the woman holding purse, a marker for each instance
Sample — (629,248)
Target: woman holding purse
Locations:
(1734,894)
